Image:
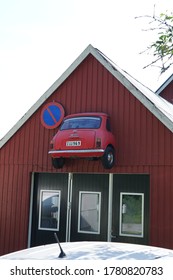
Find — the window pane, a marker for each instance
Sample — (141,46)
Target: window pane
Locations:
(81,122)
(89,212)
(131,214)
(49,210)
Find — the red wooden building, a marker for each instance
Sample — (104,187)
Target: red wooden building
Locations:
(132,202)
(166,89)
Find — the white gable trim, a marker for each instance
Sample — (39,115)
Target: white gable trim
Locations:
(158,106)
(44,97)
(144,95)
(164,85)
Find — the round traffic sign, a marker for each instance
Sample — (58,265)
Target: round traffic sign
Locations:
(52,115)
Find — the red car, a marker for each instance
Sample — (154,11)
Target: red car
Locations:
(84,135)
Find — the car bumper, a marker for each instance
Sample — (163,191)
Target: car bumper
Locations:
(77,153)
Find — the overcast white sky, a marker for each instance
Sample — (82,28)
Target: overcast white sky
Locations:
(39,39)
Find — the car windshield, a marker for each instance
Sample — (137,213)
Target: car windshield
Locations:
(81,122)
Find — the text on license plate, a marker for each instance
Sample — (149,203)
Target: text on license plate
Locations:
(73,143)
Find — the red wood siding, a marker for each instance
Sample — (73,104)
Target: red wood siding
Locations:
(167,93)
(144,145)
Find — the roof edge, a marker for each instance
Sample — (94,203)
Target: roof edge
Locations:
(134,86)
(89,49)
(164,85)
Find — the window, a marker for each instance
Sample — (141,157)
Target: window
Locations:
(81,122)
(131,214)
(49,210)
(89,212)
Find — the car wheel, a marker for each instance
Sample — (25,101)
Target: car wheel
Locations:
(58,162)
(108,159)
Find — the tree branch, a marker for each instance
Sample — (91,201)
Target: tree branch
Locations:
(163,46)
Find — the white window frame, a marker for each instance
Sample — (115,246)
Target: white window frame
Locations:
(99,212)
(142,212)
(40,209)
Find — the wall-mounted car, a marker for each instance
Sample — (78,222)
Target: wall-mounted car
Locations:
(84,135)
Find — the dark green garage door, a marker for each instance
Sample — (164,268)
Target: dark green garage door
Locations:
(89,219)
(130,223)
(76,207)
(49,208)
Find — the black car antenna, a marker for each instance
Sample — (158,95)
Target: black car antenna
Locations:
(62,254)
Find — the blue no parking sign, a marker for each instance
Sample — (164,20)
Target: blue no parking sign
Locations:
(52,115)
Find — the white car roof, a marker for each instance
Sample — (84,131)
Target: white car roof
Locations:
(92,251)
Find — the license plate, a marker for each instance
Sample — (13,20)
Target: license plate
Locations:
(73,143)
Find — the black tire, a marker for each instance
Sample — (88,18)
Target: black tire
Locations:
(108,159)
(58,162)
